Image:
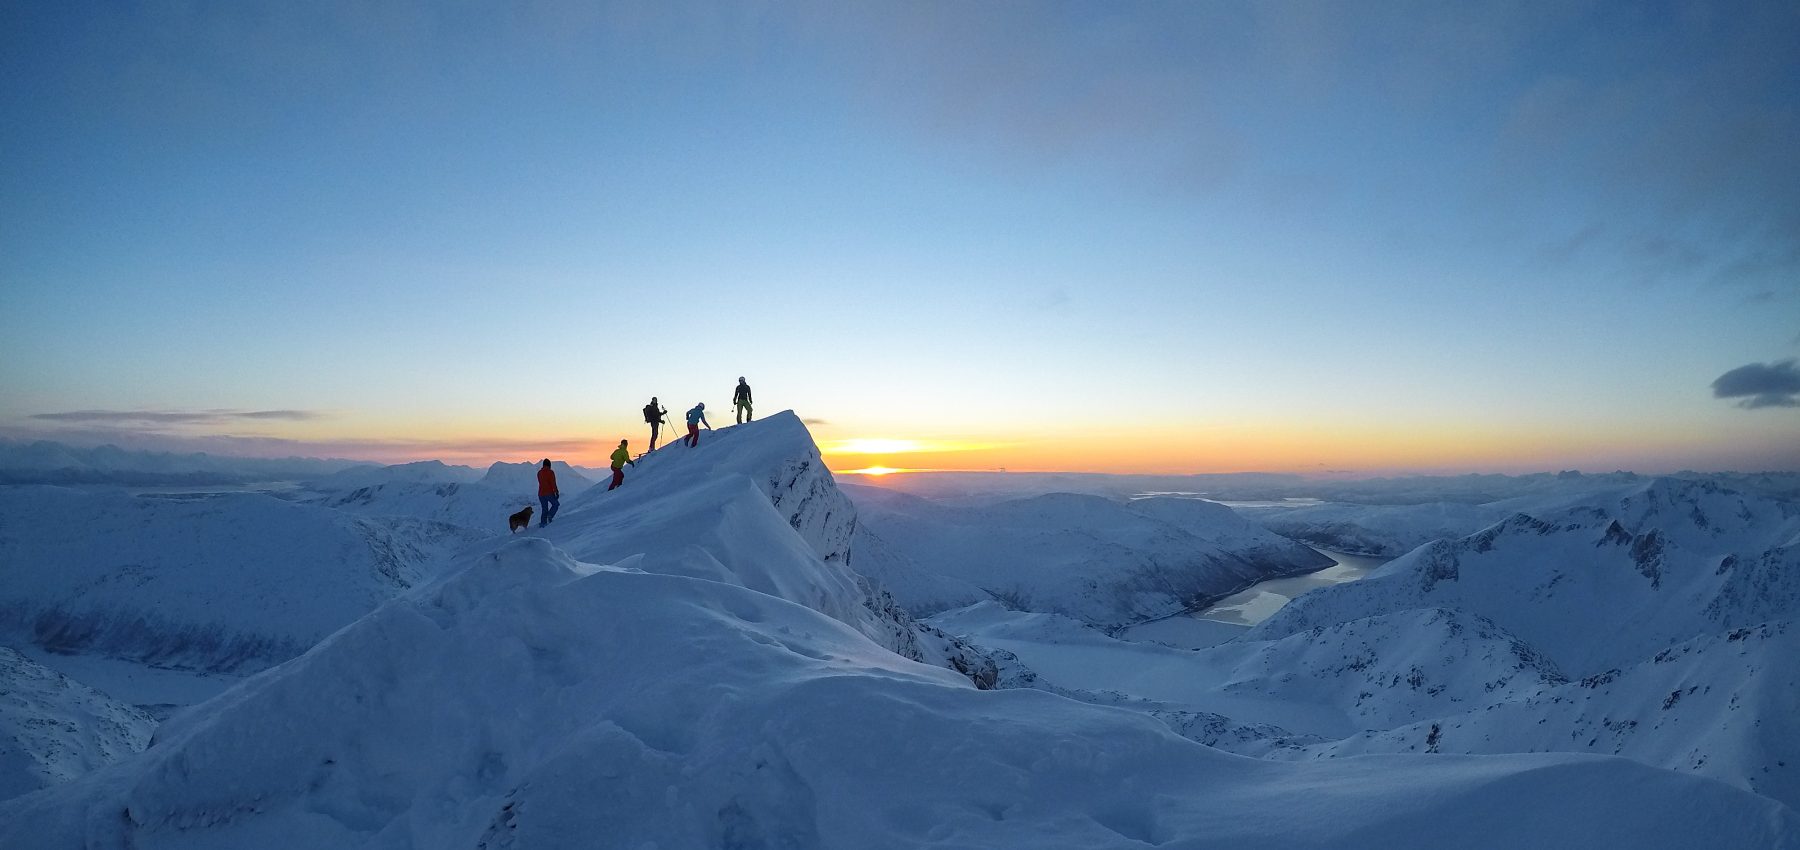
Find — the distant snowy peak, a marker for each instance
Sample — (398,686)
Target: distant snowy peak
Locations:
(522,478)
(418,472)
(1596,583)
(1108,562)
(477,507)
(47,462)
(228,582)
(1377,530)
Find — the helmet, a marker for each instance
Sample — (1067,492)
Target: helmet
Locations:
(701,405)
(740,379)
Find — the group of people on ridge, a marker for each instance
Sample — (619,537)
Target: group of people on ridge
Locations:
(654,414)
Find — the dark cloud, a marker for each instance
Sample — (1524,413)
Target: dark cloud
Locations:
(811,421)
(177,417)
(1761,385)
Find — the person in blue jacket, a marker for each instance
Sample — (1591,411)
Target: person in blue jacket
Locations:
(695,418)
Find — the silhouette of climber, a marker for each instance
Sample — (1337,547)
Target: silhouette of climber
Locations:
(653,414)
(695,418)
(741,398)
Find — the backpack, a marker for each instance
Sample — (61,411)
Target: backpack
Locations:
(651,415)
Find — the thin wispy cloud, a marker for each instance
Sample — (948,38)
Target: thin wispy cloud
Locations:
(217,416)
(371,449)
(1761,385)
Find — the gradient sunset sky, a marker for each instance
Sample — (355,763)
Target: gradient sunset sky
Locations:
(1124,237)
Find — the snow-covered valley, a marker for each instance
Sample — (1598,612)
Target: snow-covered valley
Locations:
(725,653)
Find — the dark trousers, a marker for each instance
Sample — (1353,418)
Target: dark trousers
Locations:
(618,478)
(550,503)
(655,428)
(693,437)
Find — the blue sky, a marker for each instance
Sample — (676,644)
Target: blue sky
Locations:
(1172,237)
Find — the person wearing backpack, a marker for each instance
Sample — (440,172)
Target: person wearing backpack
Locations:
(620,457)
(548,495)
(741,398)
(653,414)
(695,418)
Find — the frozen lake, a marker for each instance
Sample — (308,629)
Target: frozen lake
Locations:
(1257,602)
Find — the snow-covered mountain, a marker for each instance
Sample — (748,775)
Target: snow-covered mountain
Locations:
(47,462)
(227,582)
(1646,568)
(694,661)
(721,680)
(521,478)
(53,729)
(1104,561)
(479,508)
(417,472)
(1381,530)
(1721,706)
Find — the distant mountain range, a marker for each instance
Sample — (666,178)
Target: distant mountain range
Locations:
(46,462)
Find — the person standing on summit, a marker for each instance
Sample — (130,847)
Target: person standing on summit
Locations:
(653,414)
(695,418)
(742,399)
(548,495)
(620,457)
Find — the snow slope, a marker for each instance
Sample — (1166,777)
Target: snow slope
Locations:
(758,508)
(53,729)
(232,582)
(1721,706)
(1103,561)
(530,700)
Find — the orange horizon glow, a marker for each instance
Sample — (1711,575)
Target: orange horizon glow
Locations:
(1333,448)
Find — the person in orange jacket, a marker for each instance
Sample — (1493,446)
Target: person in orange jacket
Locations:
(547,493)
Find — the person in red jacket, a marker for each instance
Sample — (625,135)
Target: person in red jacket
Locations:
(547,493)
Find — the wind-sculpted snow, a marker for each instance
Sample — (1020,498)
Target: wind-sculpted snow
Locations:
(226,582)
(530,700)
(53,729)
(1103,561)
